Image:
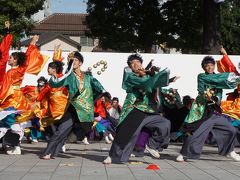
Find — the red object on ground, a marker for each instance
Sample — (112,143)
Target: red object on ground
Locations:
(153,167)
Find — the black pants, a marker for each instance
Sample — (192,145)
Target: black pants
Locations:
(160,131)
(68,122)
(60,135)
(223,132)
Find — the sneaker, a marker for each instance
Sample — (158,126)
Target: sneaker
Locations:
(46,157)
(234,156)
(108,160)
(63,148)
(15,151)
(107,140)
(35,141)
(85,141)
(132,155)
(111,137)
(180,158)
(153,152)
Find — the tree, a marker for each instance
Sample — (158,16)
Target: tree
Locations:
(192,26)
(230,26)
(125,25)
(211,27)
(199,26)
(183,23)
(19,13)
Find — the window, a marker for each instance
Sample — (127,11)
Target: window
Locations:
(86,41)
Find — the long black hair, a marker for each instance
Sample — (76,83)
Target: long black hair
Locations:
(56,65)
(118,108)
(20,57)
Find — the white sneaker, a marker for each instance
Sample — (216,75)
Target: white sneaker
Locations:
(234,156)
(63,148)
(153,152)
(85,141)
(107,140)
(108,160)
(111,137)
(15,151)
(180,158)
(132,155)
(34,141)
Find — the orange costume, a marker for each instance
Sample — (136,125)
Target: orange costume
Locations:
(231,106)
(56,99)
(31,93)
(101,108)
(4,54)
(10,93)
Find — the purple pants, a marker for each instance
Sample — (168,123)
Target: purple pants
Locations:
(143,138)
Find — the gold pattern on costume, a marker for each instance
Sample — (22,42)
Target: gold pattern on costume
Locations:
(81,80)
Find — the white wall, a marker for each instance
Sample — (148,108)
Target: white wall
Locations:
(64,46)
(186,66)
(75,38)
(86,48)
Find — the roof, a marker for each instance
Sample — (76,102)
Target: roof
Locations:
(63,23)
(49,36)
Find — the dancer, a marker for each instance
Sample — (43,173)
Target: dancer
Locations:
(10,93)
(81,87)
(31,94)
(137,114)
(205,115)
(56,99)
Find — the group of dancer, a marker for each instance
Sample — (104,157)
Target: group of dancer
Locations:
(75,102)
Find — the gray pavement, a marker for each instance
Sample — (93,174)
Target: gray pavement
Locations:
(85,162)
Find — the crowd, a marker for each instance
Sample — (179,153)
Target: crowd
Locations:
(74,103)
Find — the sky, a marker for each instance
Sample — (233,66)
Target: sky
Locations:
(69,6)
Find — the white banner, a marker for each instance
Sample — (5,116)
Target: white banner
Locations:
(185,66)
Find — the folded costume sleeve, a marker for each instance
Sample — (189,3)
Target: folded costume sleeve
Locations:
(146,83)
(4,53)
(226,65)
(43,93)
(56,82)
(35,61)
(220,81)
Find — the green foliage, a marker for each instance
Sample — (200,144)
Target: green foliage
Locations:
(184,21)
(137,24)
(18,13)
(125,25)
(230,26)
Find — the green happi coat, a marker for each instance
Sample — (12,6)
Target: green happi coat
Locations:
(209,81)
(139,90)
(80,94)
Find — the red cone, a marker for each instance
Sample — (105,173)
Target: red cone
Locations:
(153,167)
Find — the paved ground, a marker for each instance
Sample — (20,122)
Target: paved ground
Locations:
(85,163)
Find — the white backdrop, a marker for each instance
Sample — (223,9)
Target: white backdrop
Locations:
(185,66)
